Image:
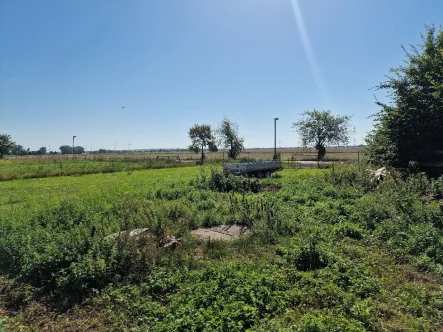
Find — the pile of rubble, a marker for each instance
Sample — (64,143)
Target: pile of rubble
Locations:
(223,232)
(164,241)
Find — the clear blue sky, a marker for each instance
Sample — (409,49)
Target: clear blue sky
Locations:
(67,67)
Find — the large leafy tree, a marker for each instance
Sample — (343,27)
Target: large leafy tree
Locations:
(410,128)
(322,128)
(201,137)
(79,150)
(6,145)
(67,149)
(18,150)
(230,137)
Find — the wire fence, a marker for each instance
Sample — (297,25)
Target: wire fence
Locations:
(332,155)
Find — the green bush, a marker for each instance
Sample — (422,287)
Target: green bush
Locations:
(3,324)
(221,182)
(350,176)
(348,229)
(233,297)
(307,257)
(64,252)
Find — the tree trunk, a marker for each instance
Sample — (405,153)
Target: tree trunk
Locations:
(203,156)
(321,151)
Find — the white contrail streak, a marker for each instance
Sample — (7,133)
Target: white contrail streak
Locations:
(315,69)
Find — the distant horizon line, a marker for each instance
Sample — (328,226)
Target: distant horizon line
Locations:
(246,149)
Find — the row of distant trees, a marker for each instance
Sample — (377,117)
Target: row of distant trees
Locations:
(319,128)
(8,146)
(316,128)
(226,136)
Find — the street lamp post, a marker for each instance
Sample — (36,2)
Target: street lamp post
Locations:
(73,137)
(275,138)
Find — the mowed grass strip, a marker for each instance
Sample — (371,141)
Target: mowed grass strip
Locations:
(45,192)
(38,168)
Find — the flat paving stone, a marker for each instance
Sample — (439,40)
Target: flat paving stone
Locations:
(223,232)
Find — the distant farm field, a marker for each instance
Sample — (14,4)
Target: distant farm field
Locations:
(23,167)
(333,153)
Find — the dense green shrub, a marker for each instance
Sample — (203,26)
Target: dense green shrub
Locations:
(64,252)
(218,181)
(218,298)
(409,128)
(349,176)
(348,229)
(306,257)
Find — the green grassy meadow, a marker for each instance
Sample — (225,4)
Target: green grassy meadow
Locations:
(329,250)
(28,167)
(12,169)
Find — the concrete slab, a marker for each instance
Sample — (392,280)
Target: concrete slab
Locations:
(223,232)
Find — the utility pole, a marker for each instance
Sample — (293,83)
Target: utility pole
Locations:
(73,138)
(275,138)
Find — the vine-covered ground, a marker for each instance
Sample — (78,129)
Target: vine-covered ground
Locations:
(328,250)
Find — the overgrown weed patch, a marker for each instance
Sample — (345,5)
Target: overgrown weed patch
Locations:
(327,251)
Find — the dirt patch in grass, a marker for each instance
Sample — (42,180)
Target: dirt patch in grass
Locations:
(223,232)
(414,276)
(270,187)
(37,317)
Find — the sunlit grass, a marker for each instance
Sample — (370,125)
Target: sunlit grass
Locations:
(38,168)
(327,249)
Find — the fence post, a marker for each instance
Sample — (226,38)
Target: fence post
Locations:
(358,157)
